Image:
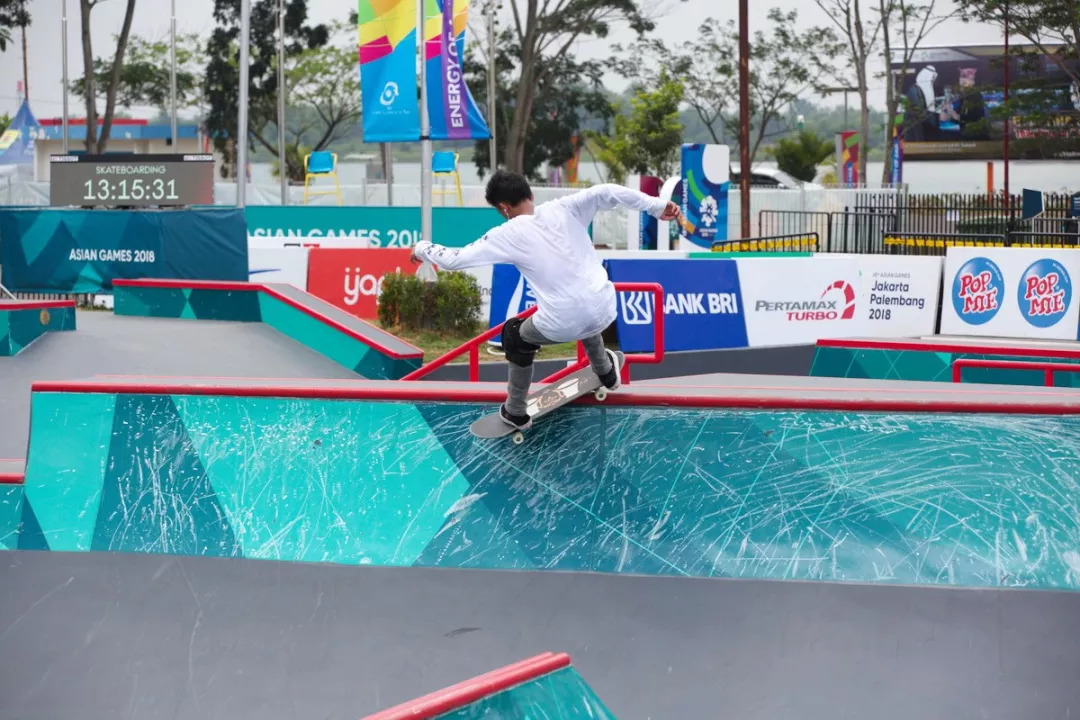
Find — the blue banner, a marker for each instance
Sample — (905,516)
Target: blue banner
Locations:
(702,304)
(83,251)
(706,177)
(17,142)
(453,111)
(391,108)
(510,296)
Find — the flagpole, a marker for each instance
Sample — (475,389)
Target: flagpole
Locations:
(64,56)
(283,165)
(172,81)
(493,152)
(242,113)
(425,129)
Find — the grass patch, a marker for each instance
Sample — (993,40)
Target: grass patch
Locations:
(435,344)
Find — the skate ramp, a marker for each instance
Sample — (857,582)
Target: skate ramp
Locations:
(334,473)
(111,635)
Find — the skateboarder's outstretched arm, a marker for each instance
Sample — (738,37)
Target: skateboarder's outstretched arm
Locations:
(491,249)
(585,204)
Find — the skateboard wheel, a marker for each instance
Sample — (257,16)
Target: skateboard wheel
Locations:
(518,438)
(601,395)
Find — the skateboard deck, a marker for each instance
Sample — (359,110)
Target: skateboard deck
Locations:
(547,399)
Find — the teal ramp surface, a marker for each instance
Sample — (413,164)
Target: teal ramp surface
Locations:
(931,499)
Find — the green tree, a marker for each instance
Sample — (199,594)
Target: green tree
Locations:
(541,33)
(144,75)
(799,156)
(5,123)
(324,87)
(905,25)
(570,99)
(15,14)
(221,85)
(784,64)
(647,140)
(91,92)
(1052,26)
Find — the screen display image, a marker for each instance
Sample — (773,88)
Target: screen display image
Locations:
(953,104)
(131,180)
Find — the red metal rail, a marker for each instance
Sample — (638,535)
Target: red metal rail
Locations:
(465,693)
(1048,368)
(473,346)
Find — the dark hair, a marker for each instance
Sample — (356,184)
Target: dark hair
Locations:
(507,187)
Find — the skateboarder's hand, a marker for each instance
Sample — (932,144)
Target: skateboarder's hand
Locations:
(414,259)
(671,212)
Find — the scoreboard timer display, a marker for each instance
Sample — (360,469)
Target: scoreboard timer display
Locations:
(131,180)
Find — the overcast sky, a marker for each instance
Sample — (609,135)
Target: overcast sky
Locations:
(677,23)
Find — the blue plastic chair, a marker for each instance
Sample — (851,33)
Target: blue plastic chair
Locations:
(445,163)
(321,164)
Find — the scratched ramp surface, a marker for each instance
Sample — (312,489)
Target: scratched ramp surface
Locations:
(112,635)
(937,499)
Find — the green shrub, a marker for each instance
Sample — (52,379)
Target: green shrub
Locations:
(451,304)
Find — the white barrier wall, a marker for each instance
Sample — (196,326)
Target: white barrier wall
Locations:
(790,301)
(278,265)
(1011,292)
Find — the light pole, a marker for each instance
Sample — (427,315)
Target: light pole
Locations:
(744,117)
(64,61)
(283,165)
(242,114)
(845,90)
(172,79)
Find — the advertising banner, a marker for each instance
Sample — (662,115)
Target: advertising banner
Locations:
(83,251)
(352,279)
(391,108)
(794,301)
(454,114)
(510,296)
(702,304)
(279,265)
(1011,292)
(706,177)
(954,103)
(898,297)
(386,227)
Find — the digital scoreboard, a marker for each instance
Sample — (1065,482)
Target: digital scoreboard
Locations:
(131,180)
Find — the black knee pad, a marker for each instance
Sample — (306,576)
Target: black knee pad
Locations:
(517,351)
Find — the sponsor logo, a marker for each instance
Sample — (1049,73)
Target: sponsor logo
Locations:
(352,279)
(638,307)
(709,211)
(837,302)
(389,94)
(358,285)
(1044,293)
(978,290)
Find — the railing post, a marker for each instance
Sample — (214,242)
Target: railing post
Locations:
(1049,378)
(474,363)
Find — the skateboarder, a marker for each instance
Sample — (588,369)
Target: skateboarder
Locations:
(549,243)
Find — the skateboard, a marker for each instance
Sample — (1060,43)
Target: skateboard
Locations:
(547,399)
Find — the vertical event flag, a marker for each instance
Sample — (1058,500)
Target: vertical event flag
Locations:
(848,149)
(391,109)
(454,114)
(706,178)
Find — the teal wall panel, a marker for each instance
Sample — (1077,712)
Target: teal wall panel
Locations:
(864,497)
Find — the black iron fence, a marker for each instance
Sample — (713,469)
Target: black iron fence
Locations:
(930,222)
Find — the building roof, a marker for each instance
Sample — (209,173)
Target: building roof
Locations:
(122,129)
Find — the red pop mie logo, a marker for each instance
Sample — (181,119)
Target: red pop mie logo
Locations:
(978,292)
(1044,295)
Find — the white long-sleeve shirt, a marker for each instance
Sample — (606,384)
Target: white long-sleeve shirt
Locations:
(552,249)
